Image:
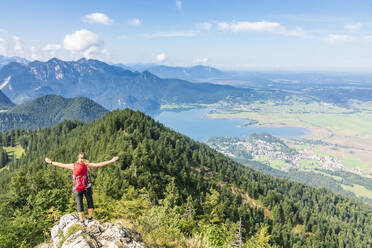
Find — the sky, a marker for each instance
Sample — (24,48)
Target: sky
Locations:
(228,34)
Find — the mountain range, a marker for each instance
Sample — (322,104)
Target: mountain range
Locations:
(198,73)
(111,86)
(49,110)
(6,60)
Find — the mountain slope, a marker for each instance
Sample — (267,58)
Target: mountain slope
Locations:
(5,102)
(195,73)
(6,60)
(48,110)
(111,86)
(172,189)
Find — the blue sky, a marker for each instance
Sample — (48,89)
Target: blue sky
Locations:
(239,35)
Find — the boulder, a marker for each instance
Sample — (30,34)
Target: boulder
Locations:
(70,232)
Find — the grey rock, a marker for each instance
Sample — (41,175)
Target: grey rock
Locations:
(109,244)
(56,237)
(55,231)
(69,225)
(93,234)
(94,229)
(76,240)
(67,219)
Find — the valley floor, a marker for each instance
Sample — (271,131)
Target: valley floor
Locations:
(344,133)
(340,138)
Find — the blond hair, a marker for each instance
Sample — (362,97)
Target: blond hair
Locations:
(82,158)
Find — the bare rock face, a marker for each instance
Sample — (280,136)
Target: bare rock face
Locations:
(71,233)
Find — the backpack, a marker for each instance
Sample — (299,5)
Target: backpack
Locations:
(80,174)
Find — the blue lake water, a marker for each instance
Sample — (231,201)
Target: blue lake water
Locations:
(194,124)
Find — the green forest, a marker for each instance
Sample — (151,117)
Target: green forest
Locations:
(48,110)
(176,192)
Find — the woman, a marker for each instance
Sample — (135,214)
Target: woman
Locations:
(83,165)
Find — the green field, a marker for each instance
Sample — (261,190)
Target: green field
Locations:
(352,162)
(18,150)
(345,131)
(326,174)
(309,164)
(358,190)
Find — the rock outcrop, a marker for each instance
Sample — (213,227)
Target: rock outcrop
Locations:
(70,232)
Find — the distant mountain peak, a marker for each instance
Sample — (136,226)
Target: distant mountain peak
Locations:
(193,73)
(54,60)
(149,75)
(6,60)
(81,60)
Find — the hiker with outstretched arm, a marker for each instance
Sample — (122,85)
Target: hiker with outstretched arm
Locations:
(81,181)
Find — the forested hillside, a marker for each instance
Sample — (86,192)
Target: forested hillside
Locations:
(48,110)
(173,190)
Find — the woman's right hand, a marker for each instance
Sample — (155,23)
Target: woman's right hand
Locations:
(114,159)
(48,160)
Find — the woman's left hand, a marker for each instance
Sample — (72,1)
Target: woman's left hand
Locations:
(114,159)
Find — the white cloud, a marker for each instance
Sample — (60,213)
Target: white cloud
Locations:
(298,32)
(223,26)
(338,38)
(204,26)
(135,22)
(249,26)
(201,61)
(368,38)
(97,17)
(51,47)
(91,50)
(3,49)
(82,41)
(105,53)
(18,46)
(172,34)
(179,4)
(160,57)
(2,30)
(123,37)
(354,26)
(35,53)
(262,26)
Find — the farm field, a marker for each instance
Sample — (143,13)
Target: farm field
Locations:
(339,131)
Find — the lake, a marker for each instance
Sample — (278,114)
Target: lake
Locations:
(194,124)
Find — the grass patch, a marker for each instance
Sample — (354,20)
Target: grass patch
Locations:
(278,164)
(262,158)
(358,190)
(18,150)
(302,147)
(71,230)
(296,113)
(309,164)
(352,162)
(326,174)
